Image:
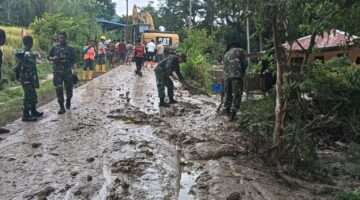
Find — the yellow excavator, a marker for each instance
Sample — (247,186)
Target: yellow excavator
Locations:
(144,30)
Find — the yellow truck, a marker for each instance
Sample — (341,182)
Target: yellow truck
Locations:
(144,30)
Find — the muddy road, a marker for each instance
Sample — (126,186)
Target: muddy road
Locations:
(115,143)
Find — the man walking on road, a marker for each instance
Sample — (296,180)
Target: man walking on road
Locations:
(139,57)
(163,71)
(29,80)
(234,70)
(63,57)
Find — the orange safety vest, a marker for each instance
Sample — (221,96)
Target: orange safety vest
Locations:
(101,51)
(89,54)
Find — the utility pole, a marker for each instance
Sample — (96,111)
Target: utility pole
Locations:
(190,11)
(127,20)
(248,30)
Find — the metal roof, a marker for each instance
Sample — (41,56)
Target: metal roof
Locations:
(334,38)
(110,24)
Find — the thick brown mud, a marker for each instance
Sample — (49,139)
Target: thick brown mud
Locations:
(115,143)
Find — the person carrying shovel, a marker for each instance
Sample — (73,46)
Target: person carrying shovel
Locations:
(163,71)
(234,71)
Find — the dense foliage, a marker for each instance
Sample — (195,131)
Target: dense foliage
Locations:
(23,12)
(46,28)
(195,47)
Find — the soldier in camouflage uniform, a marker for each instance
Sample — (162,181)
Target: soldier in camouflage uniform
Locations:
(163,71)
(29,80)
(234,70)
(63,57)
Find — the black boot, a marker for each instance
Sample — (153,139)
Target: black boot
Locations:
(35,113)
(68,103)
(163,104)
(172,101)
(62,109)
(233,116)
(26,116)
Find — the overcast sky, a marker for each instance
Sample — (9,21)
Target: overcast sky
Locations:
(121,5)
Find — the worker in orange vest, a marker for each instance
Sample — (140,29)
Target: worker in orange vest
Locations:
(101,55)
(89,57)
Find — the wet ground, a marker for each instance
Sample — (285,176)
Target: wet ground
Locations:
(115,143)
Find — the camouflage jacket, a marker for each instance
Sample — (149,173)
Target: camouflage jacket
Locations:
(235,63)
(168,65)
(27,67)
(67,57)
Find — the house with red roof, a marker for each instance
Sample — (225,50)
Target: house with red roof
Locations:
(335,43)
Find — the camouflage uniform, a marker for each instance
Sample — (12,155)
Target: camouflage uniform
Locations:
(234,70)
(28,77)
(62,70)
(163,71)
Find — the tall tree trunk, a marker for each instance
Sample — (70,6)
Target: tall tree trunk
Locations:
(310,48)
(279,109)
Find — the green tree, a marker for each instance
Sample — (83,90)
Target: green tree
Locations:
(49,25)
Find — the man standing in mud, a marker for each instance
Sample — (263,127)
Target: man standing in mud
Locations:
(163,71)
(63,57)
(29,80)
(234,70)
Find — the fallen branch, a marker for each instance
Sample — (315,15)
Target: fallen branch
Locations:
(196,88)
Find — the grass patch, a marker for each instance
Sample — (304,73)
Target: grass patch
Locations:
(11,100)
(44,70)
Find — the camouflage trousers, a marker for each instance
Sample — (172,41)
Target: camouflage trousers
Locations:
(163,81)
(61,79)
(30,97)
(233,93)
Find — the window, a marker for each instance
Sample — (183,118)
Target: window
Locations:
(321,58)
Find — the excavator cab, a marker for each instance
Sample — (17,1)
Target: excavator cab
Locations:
(138,30)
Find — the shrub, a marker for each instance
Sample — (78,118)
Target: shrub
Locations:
(195,46)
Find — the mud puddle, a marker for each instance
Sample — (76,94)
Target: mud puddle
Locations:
(189,174)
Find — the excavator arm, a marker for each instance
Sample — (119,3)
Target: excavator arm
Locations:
(140,16)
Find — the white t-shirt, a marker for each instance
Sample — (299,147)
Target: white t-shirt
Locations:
(151,47)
